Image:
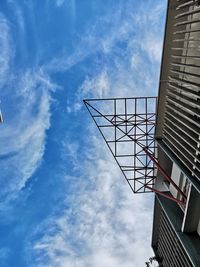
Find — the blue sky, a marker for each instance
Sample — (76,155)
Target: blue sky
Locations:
(63,201)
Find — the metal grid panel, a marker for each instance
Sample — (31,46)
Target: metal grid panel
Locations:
(127,126)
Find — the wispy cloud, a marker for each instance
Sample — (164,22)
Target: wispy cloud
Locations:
(103,225)
(69,6)
(4,253)
(131,53)
(23,134)
(69,152)
(60,2)
(6,49)
(128,25)
(26,117)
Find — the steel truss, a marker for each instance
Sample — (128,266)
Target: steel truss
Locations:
(127,126)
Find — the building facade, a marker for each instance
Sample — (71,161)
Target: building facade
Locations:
(176,226)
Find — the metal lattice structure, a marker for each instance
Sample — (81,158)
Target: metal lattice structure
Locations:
(127,126)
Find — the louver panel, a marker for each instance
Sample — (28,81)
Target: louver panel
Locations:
(169,247)
(181,129)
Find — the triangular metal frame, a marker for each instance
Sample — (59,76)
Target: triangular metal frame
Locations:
(127,126)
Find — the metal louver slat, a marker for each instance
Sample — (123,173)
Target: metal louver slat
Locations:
(183,126)
(189,102)
(184,141)
(189,91)
(184,65)
(186,73)
(185,107)
(186,4)
(184,81)
(181,154)
(174,124)
(185,56)
(189,119)
(183,146)
(191,12)
(178,24)
(169,246)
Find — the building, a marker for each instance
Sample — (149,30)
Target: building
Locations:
(176,226)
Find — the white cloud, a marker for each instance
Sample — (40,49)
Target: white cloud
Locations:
(6,49)
(26,111)
(64,63)
(60,2)
(131,70)
(71,3)
(153,46)
(105,225)
(23,132)
(99,85)
(70,152)
(140,25)
(4,253)
(148,20)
